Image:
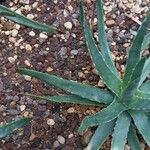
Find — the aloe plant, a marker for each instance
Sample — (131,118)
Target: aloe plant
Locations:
(8,128)
(21,19)
(127,100)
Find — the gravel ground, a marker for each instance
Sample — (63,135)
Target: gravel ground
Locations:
(64,54)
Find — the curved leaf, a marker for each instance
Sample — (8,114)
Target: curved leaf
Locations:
(82,90)
(134,53)
(104,47)
(104,71)
(142,122)
(100,135)
(133,139)
(145,87)
(146,41)
(11,126)
(120,131)
(66,99)
(109,113)
(12,15)
(145,72)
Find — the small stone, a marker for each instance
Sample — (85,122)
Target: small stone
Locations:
(61,139)
(68,25)
(74,52)
(86,138)
(32,137)
(31,33)
(27,63)
(56,144)
(43,36)
(126,45)
(27,78)
(71,110)
(11,60)
(110,22)
(30,16)
(81,75)
(100,83)
(24,1)
(22,107)
(26,114)
(50,122)
(28,47)
(14,32)
(49,69)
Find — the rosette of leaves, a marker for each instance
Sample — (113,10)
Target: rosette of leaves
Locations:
(127,100)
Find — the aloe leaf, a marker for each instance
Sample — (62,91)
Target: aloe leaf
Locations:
(120,131)
(142,122)
(145,72)
(104,71)
(104,47)
(21,19)
(100,135)
(82,90)
(66,99)
(134,53)
(11,126)
(137,73)
(145,87)
(146,41)
(133,139)
(141,100)
(109,113)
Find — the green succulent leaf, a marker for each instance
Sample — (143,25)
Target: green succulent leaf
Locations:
(145,72)
(140,100)
(134,53)
(104,47)
(146,41)
(142,122)
(100,135)
(133,139)
(74,99)
(145,87)
(109,113)
(82,90)
(11,126)
(104,71)
(12,15)
(137,73)
(120,131)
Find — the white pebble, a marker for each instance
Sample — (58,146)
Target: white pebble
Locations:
(14,32)
(43,36)
(22,107)
(11,59)
(28,47)
(50,122)
(68,25)
(31,33)
(71,110)
(27,78)
(27,63)
(61,139)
